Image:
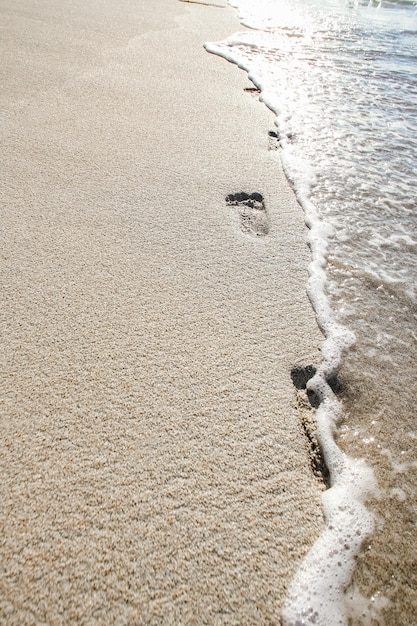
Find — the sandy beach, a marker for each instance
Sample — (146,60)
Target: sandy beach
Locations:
(154,465)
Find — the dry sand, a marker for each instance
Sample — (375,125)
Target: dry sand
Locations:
(153,465)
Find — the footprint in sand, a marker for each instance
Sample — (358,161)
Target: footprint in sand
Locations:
(252,212)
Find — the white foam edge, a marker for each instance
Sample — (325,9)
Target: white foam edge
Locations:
(317,594)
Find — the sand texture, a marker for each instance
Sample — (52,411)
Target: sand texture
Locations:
(154,469)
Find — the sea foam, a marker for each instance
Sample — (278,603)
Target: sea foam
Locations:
(317,593)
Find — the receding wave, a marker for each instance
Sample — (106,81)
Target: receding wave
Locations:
(341,80)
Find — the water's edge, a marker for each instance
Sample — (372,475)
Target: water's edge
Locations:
(317,594)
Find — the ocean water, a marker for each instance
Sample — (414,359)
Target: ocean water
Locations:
(341,78)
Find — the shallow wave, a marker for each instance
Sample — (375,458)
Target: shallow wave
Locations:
(342,85)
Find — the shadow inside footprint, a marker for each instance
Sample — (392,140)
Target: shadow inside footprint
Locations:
(252,212)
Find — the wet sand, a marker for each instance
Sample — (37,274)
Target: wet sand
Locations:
(380,427)
(154,466)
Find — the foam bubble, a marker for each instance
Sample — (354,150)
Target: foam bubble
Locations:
(317,593)
(398,493)
(364,610)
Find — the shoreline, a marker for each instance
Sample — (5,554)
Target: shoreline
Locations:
(382,582)
(351,483)
(156,469)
